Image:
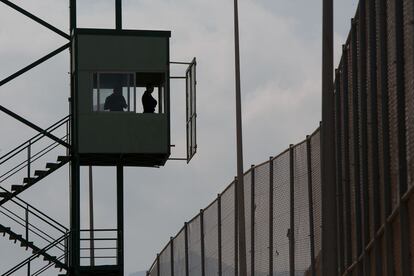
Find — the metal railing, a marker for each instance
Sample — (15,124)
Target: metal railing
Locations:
(99,247)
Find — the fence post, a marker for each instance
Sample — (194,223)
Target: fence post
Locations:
(252,219)
(271,188)
(187,271)
(172,255)
(402,138)
(383,53)
(338,144)
(355,139)
(158,265)
(236,227)
(203,271)
(291,231)
(219,235)
(310,201)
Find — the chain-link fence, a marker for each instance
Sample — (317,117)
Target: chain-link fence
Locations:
(279,231)
(374,138)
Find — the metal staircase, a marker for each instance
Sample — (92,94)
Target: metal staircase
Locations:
(52,244)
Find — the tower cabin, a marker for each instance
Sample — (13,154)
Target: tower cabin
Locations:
(121,97)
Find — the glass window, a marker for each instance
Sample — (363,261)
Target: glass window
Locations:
(128,92)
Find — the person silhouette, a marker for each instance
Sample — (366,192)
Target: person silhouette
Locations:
(148,101)
(115,101)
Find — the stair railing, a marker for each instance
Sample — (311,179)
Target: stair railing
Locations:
(37,254)
(27,146)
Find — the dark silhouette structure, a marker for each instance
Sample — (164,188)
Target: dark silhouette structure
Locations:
(115,101)
(148,101)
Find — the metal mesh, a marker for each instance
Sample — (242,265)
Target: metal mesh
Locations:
(248,193)
(211,240)
(165,261)
(194,247)
(261,220)
(228,231)
(154,269)
(316,198)
(281,214)
(179,254)
(301,210)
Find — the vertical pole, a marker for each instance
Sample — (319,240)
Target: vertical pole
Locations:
(120,216)
(118,14)
(187,271)
(252,221)
(338,144)
(239,186)
(356,143)
(158,265)
(27,235)
(203,260)
(383,77)
(329,235)
(402,138)
(362,81)
(220,265)
(29,161)
(236,227)
(271,189)
(172,255)
(91,224)
(291,233)
(372,40)
(310,196)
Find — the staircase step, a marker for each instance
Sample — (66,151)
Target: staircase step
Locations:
(63,158)
(52,165)
(4,194)
(4,229)
(40,173)
(17,188)
(15,237)
(29,180)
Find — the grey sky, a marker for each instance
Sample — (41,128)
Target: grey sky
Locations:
(280,64)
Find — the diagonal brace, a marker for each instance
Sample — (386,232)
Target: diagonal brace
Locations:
(35,18)
(34,64)
(35,127)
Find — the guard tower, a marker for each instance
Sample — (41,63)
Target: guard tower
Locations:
(120,109)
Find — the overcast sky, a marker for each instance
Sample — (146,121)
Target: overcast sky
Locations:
(281,88)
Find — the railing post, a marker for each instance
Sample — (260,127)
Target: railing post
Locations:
(291,231)
(158,265)
(29,149)
(27,234)
(310,201)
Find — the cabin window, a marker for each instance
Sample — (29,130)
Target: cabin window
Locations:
(129,92)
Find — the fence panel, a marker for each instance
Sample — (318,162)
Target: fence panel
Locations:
(179,254)
(261,222)
(301,210)
(228,231)
(194,247)
(281,215)
(165,261)
(211,240)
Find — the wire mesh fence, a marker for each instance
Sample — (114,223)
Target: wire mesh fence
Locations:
(374,130)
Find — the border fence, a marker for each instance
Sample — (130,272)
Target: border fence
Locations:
(374,130)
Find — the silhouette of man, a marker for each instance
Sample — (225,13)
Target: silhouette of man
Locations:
(115,101)
(148,101)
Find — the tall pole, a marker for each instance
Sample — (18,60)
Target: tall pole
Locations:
(118,14)
(329,233)
(239,184)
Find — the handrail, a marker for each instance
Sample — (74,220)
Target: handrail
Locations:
(28,224)
(35,255)
(36,156)
(34,139)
